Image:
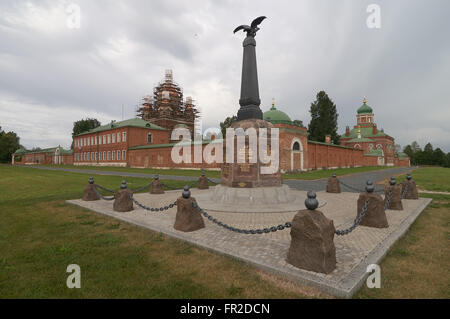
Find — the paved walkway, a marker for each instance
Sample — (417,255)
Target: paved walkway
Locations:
(363,246)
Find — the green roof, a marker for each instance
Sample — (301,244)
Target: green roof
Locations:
(275,116)
(401,154)
(365,109)
(362,139)
(62,151)
(135,122)
(179,143)
(375,152)
(365,132)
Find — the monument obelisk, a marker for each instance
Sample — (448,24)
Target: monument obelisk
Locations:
(248,174)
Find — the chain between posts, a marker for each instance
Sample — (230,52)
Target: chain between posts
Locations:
(105,189)
(388,200)
(137,190)
(242,231)
(358,190)
(100,195)
(356,223)
(152,209)
(405,191)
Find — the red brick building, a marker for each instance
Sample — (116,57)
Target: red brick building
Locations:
(54,155)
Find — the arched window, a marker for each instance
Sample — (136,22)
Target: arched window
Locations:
(357,146)
(296,146)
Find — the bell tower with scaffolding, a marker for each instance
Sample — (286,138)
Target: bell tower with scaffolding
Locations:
(167,108)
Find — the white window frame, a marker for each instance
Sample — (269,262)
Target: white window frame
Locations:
(124,136)
(113,155)
(113,136)
(109,155)
(118,137)
(104,155)
(118,155)
(124,155)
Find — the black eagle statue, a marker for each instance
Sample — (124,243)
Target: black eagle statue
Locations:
(252,29)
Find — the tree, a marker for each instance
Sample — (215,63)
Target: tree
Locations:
(84,125)
(427,154)
(439,157)
(9,143)
(415,147)
(226,124)
(298,123)
(323,119)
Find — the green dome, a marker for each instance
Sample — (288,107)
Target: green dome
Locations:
(365,108)
(275,116)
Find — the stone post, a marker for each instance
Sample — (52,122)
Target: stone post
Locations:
(396,197)
(312,247)
(188,218)
(375,215)
(411,192)
(333,185)
(89,193)
(122,200)
(156,187)
(203,182)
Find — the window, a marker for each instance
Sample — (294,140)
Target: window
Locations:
(109,138)
(96,156)
(149,138)
(124,157)
(118,154)
(96,140)
(113,137)
(124,136)
(113,155)
(118,137)
(109,155)
(104,139)
(104,156)
(296,146)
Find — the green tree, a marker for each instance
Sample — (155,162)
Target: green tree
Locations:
(427,155)
(84,125)
(226,124)
(323,119)
(298,123)
(439,157)
(9,143)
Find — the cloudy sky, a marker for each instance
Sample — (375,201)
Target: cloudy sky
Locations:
(52,74)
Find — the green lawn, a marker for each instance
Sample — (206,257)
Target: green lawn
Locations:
(172,172)
(431,178)
(310,175)
(325,173)
(40,235)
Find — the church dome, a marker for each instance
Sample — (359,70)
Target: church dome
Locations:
(275,116)
(365,109)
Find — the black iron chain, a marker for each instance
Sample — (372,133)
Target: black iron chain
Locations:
(357,221)
(101,196)
(405,190)
(137,190)
(238,230)
(153,209)
(105,189)
(388,200)
(359,190)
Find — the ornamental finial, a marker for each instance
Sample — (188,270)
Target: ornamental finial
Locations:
(364,100)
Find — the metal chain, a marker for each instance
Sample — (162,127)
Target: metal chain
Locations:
(174,188)
(242,231)
(105,189)
(211,181)
(101,196)
(405,191)
(137,190)
(359,190)
(388,201)
(152,209)
(357,221)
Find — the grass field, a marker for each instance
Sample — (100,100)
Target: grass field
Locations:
(309,175)
(40,235)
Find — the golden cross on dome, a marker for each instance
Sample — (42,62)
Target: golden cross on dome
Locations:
(364,100)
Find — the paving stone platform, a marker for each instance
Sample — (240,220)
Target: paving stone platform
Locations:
(354,251)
